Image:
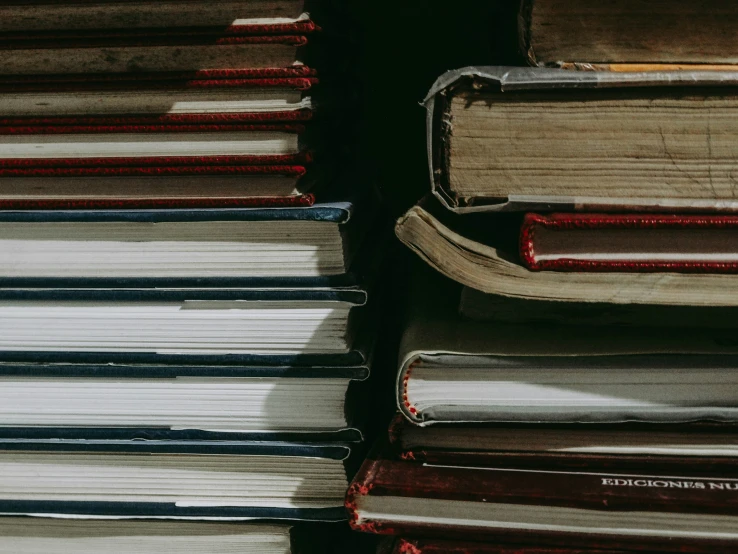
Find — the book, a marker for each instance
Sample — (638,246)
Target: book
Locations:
(132,37)
(708,447)
(153,141)
(456,370)
(632,31)
(134,247)
(629,243)
(176,98)
(507,138)
(576,509)
(50,16)
(469,250)
(135,123)
(479,306)
(181,402)
(24,535)
(272,326)
(437,546)
(231,480)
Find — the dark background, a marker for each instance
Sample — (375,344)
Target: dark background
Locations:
(399,49)
(403,46)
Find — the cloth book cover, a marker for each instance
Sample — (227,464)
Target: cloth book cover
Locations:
(653,512)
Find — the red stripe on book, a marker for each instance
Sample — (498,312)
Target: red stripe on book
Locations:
(102,120)
(157,203)
(622,221)
(163,170)
(288,159)
(207,74)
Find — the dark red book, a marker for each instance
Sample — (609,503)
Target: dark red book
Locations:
(675,512)
(430,546)
(630,243)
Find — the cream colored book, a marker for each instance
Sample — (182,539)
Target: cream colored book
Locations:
(484,267)
(510,138)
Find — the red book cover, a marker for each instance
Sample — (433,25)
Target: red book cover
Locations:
(573,509)
(630,243)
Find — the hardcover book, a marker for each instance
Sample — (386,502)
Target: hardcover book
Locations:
(706,448)
(236,247)
(508,138)
(182,402)
(573,509)
(456,370)
(230,480)
(269,326)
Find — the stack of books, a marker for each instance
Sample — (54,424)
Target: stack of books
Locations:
(571,383)
(183,274)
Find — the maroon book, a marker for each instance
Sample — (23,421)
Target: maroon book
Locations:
(575,509)
(630,243)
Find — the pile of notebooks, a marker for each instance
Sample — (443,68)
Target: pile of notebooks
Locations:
(570,382)
(183,279)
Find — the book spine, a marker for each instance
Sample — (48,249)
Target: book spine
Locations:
(567,489)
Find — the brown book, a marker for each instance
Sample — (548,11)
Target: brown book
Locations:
(636,511)
(618,31)
(430,546)
(52,16)
(503,138)
(470,251)
(174,35)
(633,446)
